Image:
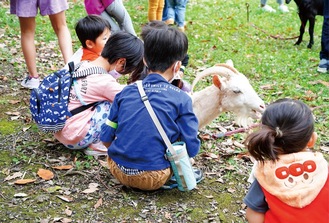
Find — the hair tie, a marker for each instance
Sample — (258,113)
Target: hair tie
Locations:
(278,132)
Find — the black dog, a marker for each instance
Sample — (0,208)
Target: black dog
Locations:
(307,10)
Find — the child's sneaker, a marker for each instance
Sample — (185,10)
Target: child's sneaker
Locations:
(323,66)
(30,82)
(182,29)
(283,8)
(268,8)
(96,150)
(170,22)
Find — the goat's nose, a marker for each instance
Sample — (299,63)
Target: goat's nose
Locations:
(262,107)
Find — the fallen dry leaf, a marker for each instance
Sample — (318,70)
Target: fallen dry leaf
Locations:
(205,136)
(12,118)
(49,140)
(65,167)
(15,175)
(14,102)
(99,203)
(53,189)
(65,198)
(13,113)
(24,181)
(92,188)
(320,82)
(26,128)
(68,212)
(210,155)
(237,144)
(45,174)
(20,195)
(267,87)
(66,220)
(168,215)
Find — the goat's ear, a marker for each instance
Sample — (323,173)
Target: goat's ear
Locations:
(216,81)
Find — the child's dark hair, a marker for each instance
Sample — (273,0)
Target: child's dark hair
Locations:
(163,47)
(90,27)
(128,46)
(287,126)
(155,24)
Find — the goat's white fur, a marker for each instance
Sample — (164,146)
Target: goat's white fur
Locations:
(230,92)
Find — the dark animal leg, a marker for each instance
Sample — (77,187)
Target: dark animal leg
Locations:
(301,29)
(311,32)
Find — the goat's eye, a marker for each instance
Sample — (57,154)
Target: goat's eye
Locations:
(237,91)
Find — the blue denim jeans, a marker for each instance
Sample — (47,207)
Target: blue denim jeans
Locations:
(324,53)
(176,10)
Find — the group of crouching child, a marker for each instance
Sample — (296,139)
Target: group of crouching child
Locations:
(121,127)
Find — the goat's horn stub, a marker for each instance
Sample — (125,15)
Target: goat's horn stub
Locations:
(228,67)
(219,69)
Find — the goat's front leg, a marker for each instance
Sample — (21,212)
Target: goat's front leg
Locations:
(311,32)
(301,29)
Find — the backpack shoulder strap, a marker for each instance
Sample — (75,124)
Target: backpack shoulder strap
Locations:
(88,71)
(71,67)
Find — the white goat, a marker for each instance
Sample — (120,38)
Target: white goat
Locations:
(230,92)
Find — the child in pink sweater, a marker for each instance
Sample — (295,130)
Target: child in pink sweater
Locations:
(123,53)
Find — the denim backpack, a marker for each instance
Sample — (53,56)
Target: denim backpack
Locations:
(49,102)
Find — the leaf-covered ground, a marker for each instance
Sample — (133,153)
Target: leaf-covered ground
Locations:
(84,191)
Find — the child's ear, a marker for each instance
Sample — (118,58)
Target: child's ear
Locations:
(90,44)
(122,61)
(312,140)
(176,66)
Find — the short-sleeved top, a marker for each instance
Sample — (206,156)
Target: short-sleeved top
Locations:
(255,198)
(136,142)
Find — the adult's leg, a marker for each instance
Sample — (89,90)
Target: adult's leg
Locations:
(170,11)
(265,7)
(165,11)
(180,10)
(324,53)
(114,25)
(160,10)
(153,5)
(263,2)
(282,6)
(58,22)
(118,11)
(280,2)
(27,26)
